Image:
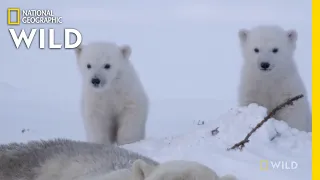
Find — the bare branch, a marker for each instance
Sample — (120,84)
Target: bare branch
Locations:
(242,143)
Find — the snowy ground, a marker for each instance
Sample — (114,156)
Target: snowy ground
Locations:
(176,130)
(203,146)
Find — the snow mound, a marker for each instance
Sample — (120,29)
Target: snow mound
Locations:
(274,141)
(237,123)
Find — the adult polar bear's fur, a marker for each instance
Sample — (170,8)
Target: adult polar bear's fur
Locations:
(114,102)
(269,74)
(63,159)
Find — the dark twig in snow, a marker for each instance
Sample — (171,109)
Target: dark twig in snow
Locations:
(242,143)
(215,131)
(277,135)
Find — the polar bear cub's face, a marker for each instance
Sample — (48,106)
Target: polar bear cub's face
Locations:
(268,48)
(175,170)
(101,62)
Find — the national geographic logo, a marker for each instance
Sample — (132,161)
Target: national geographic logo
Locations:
(16,16)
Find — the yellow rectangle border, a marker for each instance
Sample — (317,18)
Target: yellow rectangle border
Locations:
(9,16)
(264,165)
(315,88)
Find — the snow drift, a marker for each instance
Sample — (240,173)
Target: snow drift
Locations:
(274,143)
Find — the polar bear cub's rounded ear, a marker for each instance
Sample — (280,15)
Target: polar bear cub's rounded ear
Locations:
(243,35)
(126,51)
(292,35)
(141,170)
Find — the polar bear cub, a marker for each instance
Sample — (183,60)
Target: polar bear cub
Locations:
(114,102)
(269,75)
(171,170)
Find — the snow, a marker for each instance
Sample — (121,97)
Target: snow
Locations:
(189,71)
(203,146)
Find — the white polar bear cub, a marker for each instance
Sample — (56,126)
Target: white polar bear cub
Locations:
(114,102)
(171,170)
(269,74)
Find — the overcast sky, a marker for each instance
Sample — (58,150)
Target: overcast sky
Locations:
(181,48)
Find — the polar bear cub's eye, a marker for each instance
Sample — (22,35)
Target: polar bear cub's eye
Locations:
(256,50)
(88,66)
(107,66)
(275,50)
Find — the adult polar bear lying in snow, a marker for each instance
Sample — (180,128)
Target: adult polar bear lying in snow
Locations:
(62,159)
(114,102)
(269,74)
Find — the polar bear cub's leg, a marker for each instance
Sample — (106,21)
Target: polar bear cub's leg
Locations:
(100,129)
(131,125)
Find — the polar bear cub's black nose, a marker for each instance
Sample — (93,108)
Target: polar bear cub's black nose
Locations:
(95,81)
(265,65)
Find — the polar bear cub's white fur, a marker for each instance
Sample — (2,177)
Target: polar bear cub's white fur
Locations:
(171,170)
(269,75)
(114,102)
